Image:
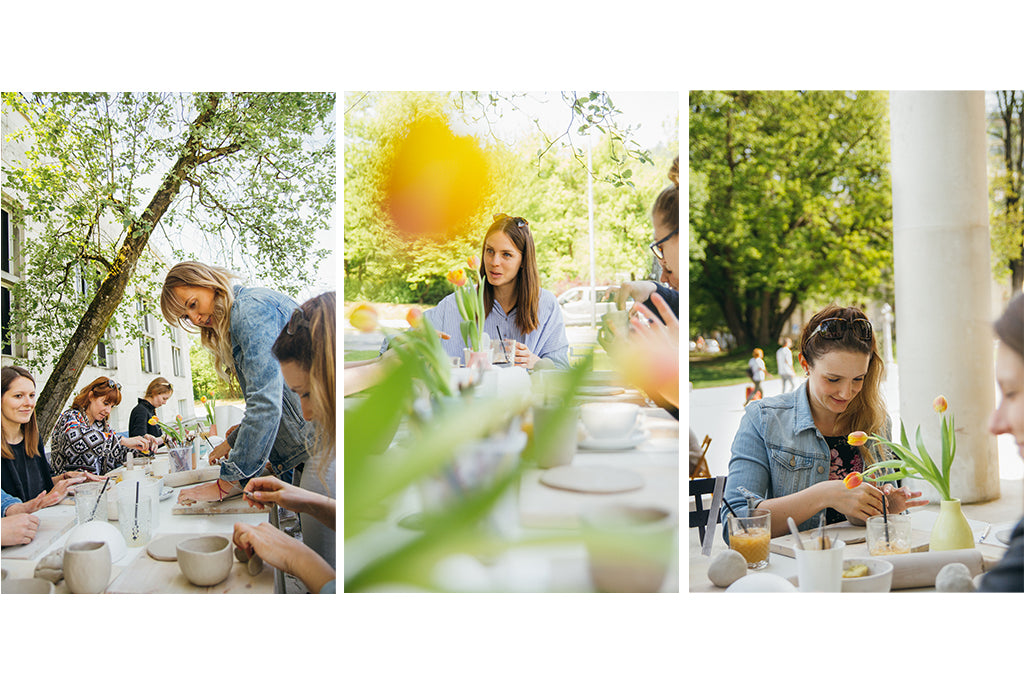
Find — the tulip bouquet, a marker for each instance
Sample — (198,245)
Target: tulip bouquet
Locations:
(176,435)
(469,296)
(918,465)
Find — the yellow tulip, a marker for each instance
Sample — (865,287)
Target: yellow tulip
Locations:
(153,420)
(473,262)
(857,438)
(940,404)
(364,317)
(203,400)
(414,317)
(457,277)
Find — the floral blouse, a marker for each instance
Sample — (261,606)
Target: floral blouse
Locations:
(80,445)
(845,459)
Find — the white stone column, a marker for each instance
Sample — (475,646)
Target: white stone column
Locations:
(941,253)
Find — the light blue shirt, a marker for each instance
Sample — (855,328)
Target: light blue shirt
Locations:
(548,340)
(6,501)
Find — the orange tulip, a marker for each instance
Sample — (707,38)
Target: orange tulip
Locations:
(414,317)
(202,399)
(853,479)
(457,277)
(364,318)
(473,262)
(857,438)
(153,420)
(940,404)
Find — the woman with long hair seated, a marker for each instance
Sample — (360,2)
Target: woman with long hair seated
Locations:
(83,439)
(518,309)
(158,393)
(790,453)
(306,351)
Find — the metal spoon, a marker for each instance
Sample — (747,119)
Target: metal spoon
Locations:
(794,531)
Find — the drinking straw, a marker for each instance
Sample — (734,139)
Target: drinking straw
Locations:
(733,512)
(885,521)
(97,505)
(504,350)
(135,524)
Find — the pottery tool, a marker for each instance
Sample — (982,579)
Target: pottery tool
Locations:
(885,520)
(794,531)
(96,506)
(984,533)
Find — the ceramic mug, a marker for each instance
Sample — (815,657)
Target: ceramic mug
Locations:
(555,442)
(630,547)
(610,420)
(87,567)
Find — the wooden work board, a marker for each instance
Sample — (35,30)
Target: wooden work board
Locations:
(235,505)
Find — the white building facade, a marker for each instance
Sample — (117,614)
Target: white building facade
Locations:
(161,352)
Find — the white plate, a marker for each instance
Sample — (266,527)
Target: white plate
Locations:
(600,390)
(614,443)
(592,479)
(1004,536)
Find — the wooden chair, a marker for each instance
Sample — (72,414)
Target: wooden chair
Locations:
(702,470)
(699,515)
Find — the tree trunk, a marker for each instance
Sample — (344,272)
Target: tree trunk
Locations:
(69,366)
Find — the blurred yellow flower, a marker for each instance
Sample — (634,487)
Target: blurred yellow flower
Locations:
(473,262)
(364,317)
(940,404)
(457,277)
(414,317)
(153,420)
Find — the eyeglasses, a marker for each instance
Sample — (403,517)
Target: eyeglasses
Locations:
(836,327)
(656,246)
(113,384)
(520,222)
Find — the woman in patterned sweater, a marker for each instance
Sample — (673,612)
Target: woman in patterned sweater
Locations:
(84,441)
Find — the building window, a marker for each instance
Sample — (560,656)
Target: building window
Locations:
(10,272)
(8,346)
(183,409)
(105,356)
(176,359)
(148,355)
(8,257)
(147,344)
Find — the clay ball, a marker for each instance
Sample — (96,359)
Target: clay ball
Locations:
(51,567)
(954,578)
(255,565)
(726,568)
(240,554)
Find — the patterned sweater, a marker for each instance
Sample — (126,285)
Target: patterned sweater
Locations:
(78,444)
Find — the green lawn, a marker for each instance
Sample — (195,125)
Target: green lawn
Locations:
(707,370)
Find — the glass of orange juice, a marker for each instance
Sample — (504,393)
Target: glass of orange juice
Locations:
(751,536)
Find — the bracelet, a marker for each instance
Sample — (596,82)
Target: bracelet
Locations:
(220,493)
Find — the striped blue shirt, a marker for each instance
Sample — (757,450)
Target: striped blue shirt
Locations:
(548,340)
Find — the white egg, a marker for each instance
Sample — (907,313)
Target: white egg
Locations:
(762,582)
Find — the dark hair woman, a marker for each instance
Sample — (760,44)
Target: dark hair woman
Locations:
(158,393)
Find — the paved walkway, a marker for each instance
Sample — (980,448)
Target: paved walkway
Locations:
(717,412)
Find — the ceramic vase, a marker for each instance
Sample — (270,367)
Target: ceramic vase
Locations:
(87,567)
(951,530)
(481,359)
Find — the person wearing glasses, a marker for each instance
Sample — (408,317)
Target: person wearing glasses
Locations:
(519,310)
(158,393)
(238,325)
(665,247)
(25,473)
(83,439)
(1008,574)
(790,453)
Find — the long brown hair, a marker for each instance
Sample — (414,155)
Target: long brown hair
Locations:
(866,411)
(158,386)
(216,339)
(100,387)
(528,277)
(309,341)
(29,430)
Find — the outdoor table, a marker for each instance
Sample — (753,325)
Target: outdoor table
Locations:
(535,512)
(222,524)
(923,518)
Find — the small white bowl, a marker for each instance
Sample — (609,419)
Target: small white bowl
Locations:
(878,579)
(205,560)
(610,420)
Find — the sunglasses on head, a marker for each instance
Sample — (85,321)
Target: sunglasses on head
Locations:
(113,384)
(836,327)
(520,222)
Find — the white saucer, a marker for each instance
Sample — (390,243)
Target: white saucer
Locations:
(592,479)
(600,390)
(628,443)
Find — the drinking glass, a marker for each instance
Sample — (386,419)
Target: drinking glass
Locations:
(897,541)
(89,506)
(751,536)
(134,514)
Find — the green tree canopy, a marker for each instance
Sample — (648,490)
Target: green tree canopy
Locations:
(790,201)
(250,173)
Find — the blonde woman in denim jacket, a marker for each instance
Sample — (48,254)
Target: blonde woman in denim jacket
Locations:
(790,452)
(239,325)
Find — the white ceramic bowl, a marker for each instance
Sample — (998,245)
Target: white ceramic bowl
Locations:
(878,579)
(205,560)
(28,586)
(99,531)
(609,420)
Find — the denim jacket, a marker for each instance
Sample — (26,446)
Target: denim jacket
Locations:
(777,451)
(6,501)
(273,428)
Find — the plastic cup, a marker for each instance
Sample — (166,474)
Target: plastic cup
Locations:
(820,570)
(751,536)
(898,539)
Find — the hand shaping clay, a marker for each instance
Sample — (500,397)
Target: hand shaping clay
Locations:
(240,554)
(255,565)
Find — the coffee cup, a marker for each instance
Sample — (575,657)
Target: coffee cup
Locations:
(87,567)
(610,420)
(614,324)
(554,433)
(205,560)
(629,547)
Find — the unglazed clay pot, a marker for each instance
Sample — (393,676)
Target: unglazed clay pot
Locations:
(205,560)
(28,586)
(87,567)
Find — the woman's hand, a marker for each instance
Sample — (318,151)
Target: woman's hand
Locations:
(858,503)
(639,291)
(284,553)
(61,485)
(219,452)
(524,358)
(267,489)
(900,499)
(140,443)
(18,529)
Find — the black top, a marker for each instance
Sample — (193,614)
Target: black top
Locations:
(845,458)
(1008,575)
(671,297)
(24,476)
(138,422)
